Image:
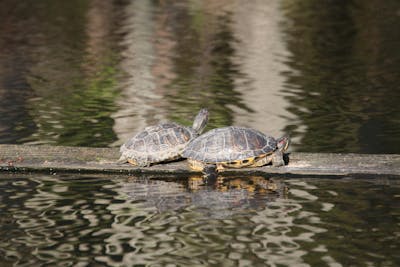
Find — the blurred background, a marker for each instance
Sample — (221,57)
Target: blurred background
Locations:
(94,72)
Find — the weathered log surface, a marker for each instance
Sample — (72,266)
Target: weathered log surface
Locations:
(103,160)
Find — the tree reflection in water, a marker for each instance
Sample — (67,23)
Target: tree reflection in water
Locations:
(75,220)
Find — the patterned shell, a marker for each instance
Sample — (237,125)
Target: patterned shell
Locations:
(229,144)
(158,143)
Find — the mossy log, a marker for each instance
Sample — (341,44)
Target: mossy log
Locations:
(55,159)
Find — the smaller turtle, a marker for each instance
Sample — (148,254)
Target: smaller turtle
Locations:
(234,147)
(162,142)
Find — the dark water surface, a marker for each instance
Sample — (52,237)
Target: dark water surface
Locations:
(56,220)
(92,72)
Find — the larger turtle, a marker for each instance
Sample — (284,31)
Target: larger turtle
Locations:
(235,147)
(162,142)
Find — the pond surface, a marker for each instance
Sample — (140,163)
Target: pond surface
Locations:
(93,72)
(59,220)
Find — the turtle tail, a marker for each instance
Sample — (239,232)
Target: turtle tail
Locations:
(122,160)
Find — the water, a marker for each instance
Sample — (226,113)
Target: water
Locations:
(92,72)
(61,220)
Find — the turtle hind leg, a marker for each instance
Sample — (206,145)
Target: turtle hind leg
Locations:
(133,162)
(210,171)
(196,165)
(139,163)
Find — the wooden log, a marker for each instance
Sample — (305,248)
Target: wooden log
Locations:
(24,158)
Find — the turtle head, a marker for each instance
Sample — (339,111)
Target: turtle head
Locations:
(283,143)
(200,121)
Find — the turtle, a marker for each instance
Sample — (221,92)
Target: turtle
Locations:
(234,147)
(161,143)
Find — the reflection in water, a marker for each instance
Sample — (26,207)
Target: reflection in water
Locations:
(344,75)
(83,220)
(140,102)
(120,66)
(15,120)
(75,87)
(71,72)
(244,193)
(203,65)
(301,68)
(260,54)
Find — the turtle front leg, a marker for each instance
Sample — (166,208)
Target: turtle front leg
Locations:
(210,172)
(277,159)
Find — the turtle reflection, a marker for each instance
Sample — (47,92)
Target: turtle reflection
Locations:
(257,184)
(223,197)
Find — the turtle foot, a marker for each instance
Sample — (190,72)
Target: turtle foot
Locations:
(210,173)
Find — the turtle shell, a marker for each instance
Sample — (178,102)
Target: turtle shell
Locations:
(157,143)
(229,144)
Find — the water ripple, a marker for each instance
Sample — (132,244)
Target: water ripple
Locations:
(236,221)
